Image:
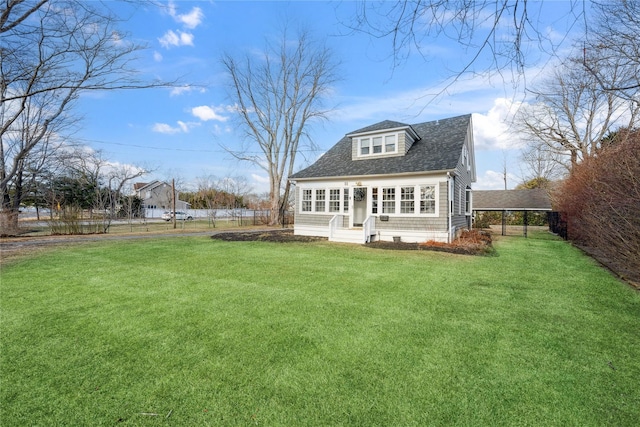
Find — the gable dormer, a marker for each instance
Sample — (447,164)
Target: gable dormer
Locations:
(384,139)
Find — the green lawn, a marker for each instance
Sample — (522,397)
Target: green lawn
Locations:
(197,332)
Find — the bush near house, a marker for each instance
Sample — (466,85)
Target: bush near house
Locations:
(601,202)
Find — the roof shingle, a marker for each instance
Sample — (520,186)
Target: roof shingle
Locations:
(438,149)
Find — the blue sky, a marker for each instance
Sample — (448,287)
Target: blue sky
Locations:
(179,132)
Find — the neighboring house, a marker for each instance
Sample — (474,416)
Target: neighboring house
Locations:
(390,181)
(157,195)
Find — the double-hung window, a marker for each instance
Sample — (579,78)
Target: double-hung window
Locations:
(306,200)
(377,145)
(334,200)
(365,146)
(390,144)
(320,200)
(374,200)
(345,206)
(388,200)
(407,199)
(428,199)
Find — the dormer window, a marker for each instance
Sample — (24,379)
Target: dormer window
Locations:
(378,144)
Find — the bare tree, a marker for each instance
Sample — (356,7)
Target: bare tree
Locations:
(278,94)
(51,53)
(572,114)
(540,165)
(612,48)
(494,36)
(111,179)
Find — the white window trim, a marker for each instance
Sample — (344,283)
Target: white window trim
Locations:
(397,202)
(327,196)
(384,145)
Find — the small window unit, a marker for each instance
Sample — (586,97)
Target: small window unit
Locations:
(388,200)
(334,200)
(365,146)
(377,145)
(306,200)
(345,203)
(428,199)
(374,200)
(407,199)
(320,200)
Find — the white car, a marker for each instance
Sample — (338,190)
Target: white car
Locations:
(180,216)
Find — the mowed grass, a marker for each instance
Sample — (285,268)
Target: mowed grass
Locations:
(197,332)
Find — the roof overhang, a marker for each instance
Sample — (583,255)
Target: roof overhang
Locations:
(362,177)
(390,130)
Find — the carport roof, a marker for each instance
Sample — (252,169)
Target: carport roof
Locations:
(512,200)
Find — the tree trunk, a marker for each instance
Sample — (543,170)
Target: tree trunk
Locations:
(8,222)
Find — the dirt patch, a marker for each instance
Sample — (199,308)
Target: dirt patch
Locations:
(472,242)
(468,244)
(279,236)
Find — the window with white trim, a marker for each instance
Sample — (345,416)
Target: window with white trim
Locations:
(334,200)
(428,199)
(365,146)
(390,142)
(407,199)
(467,202)
(320,200)
(374,200)
(388,200)
(377,145)
(345,206)
(306,200)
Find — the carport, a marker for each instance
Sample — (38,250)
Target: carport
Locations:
(533,200)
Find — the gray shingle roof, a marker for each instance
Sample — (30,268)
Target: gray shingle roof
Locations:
(439,149)
(511,200)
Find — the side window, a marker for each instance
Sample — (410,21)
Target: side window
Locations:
(428,199)
(377,145)
(374,200)
(407,200)
(334,200)
(345,205)
(390,144)
(306,200)
(320,200)
(365,144)
(389,200)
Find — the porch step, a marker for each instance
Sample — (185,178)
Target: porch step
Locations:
(346,235)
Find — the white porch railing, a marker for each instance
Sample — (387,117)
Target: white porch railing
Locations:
(369,228)
(334,224)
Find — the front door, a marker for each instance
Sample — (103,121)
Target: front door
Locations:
(359,206)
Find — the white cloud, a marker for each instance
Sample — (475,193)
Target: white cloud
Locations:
(179,90)
(206,113)
(182,127)
(492,130)
(492,180)
(171,38)
(190,20)
(165,128)
(157,56)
